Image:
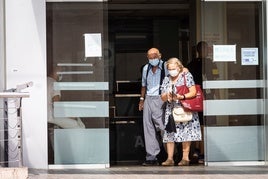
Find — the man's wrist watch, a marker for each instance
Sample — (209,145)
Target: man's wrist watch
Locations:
(141,98)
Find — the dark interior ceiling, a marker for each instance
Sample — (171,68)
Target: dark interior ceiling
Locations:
(134,20)
(121,9)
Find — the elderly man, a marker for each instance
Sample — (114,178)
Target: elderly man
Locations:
(151,104)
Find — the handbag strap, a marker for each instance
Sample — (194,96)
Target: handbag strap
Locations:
(184,78)
(172,88)
(172,101)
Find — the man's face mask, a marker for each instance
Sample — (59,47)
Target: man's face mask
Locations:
(154,62)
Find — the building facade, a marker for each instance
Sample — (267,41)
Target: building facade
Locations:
(99,47)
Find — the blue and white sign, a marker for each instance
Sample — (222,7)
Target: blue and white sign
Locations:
(249,56)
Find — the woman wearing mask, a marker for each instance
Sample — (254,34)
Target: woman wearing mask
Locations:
(186,131)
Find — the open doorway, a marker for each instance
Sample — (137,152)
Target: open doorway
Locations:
(134,27)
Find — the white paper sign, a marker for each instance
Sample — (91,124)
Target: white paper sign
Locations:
(249,56)
(224,53)
(93,45)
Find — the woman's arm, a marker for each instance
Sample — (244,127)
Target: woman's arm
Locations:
(190,94)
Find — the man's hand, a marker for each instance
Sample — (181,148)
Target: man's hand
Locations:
(185,70)
(141,103)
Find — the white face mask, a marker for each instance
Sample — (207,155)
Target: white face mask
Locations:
(154,62)
(173,73)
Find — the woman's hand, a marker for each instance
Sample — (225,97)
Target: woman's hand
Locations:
(171,97)
(166,97)
(177,97)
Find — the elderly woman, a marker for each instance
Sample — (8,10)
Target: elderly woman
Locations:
(185,131)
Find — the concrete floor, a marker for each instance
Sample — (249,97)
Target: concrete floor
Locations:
(138,172)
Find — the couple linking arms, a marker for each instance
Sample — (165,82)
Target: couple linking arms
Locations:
(151,103)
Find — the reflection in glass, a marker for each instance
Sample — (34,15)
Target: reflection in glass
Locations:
(76,39)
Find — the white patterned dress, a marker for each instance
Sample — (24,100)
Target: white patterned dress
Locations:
(188,131)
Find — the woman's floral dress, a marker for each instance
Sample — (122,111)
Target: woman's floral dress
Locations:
(188,131)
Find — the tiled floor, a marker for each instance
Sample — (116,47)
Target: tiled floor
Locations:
(139,172)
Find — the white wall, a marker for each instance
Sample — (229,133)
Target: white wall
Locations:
(26,61)
(2,42)
(2,74)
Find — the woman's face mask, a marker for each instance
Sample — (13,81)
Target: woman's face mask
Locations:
(173,73)
(154,62)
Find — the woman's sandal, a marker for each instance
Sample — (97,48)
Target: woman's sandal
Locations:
(168,162)
(184,163)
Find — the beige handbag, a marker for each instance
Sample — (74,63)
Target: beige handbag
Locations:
(180,115)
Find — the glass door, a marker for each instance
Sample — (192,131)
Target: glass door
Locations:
(77,68)
(234,106)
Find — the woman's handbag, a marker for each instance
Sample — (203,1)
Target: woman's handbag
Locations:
(193,104)
(180,115)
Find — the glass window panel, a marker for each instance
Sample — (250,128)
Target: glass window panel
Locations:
(231,25)
(76,39)
(227,144)
(66,150)
(234,90)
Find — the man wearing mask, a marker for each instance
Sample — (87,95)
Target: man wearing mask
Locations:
(151,104)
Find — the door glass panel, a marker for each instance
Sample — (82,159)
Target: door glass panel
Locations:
(233,81)
(78,121)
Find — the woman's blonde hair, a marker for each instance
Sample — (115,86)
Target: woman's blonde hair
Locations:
(176,61)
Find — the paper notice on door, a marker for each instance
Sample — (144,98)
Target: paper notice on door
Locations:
(249,56)
(224,53)
(93,45)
